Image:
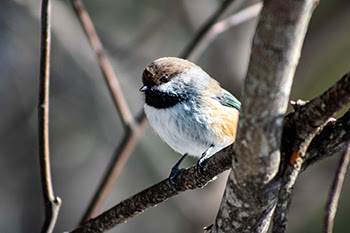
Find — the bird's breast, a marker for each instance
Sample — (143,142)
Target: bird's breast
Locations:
(185,127)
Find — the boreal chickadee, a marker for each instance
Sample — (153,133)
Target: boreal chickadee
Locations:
(188,109)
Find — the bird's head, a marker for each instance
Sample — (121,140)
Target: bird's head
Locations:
(169,80)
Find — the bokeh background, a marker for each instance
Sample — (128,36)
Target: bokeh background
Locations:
(84,126)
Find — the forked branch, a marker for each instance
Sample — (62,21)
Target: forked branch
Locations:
(305,124)
(326,143)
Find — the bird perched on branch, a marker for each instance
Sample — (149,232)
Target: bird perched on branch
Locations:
(188,109)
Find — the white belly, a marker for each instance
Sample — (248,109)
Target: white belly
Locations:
(184,128)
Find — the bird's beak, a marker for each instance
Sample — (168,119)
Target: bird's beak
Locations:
(144,88)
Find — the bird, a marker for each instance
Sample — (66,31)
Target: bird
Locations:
(188,109)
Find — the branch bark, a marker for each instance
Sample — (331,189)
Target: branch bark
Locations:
(251,191)
(52,203)
(332,139)
(150,197)
(315,114)
(334,135)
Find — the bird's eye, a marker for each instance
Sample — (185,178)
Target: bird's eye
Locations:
(164,79)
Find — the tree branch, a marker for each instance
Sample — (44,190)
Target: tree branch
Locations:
(251,191)
(315,114)
(133,129)
(52,203)
(336,190)
(120,156)
(150,197)
(121,105)
(334,135)
(204,29)
(332,139)
(224,25)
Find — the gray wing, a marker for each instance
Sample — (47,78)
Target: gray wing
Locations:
(228,100)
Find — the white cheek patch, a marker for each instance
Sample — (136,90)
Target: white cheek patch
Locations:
(198,76)
(187,76)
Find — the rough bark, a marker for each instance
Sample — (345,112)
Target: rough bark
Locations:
(251,191)
(332,139)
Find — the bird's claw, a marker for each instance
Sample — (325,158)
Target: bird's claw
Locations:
(199,166)
(173,174)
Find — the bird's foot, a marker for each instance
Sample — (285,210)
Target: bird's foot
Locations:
(202,159)
(174,171)
(200,164)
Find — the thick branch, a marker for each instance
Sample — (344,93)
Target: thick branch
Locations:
(315,114)
(150,197)
(251,191)
(52,203)
(335,135)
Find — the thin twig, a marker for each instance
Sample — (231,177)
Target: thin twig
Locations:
(336,190)
(52,203)
(120,156)
(204,29)
(224,25)
(106,67)
(133,128)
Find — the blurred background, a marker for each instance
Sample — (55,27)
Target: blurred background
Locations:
(84,125)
